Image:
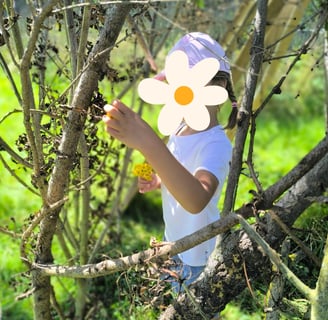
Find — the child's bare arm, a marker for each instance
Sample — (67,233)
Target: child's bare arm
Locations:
(192,192)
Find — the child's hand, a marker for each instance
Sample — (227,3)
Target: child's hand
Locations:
(149,185)
(127,126)
(147,179)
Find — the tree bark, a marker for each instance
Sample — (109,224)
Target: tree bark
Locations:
(226,268)
(224,277)
(320,298)
(325,59)
(245,111)
(58,183)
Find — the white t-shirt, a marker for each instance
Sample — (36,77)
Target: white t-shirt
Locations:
(208,150)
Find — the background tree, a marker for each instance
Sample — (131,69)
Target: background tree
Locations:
(82,179)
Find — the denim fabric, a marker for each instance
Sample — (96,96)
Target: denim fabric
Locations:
(186,274)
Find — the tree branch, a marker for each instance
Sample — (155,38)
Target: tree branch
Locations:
(224,275)
(59,179)
(274,257)
(304,166)
(257,52)
(4,146)
(13,173)
(28,102)
(160,252)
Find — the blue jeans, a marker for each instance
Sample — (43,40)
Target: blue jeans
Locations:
(185,274)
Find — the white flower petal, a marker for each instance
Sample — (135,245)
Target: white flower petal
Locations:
(181,77)
(176,67)
(153,91)
(169,119)
(197,118)
(214,95)
(204,71)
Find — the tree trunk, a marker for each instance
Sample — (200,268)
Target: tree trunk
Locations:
(320,296)
(275,292)
(224,277)
(325,60)
(58,183)
(245,112)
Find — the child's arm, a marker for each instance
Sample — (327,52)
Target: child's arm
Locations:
(192,192)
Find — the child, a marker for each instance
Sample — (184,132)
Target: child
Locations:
(192,167)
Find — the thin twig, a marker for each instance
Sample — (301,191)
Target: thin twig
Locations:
(13,173)
(14,155)
(275,258)
(194,302)
(34,223)
(10,233)
(288,231)
(100,3)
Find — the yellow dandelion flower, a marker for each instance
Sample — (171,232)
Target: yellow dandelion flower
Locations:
(143,170)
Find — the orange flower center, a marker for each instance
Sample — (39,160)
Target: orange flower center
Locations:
(183,95)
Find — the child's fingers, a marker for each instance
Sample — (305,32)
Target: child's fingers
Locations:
(121,107)
(112,125)
(145,188)
(116,109)
(147,185)
(108,108)
(112,111)
(142,181)
(142,185)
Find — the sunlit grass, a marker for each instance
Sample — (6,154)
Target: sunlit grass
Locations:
(279,146)
(233,312)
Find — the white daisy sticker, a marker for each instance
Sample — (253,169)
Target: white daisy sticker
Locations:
(186,94)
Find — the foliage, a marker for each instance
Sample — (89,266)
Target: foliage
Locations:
(121,225)
(143,220)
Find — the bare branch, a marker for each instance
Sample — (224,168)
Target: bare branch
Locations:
(10,233)
(304,166)
(275,258)
(13,173)
(90,4)
(10,77)
(4,146)
(28,102)
(83,38)
(257,52)
(157,253)
(35,222)
(143,44)
(303,50)
(289,232)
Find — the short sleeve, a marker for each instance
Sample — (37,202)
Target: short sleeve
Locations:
(215,157)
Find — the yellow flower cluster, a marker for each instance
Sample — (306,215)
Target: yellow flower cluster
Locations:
(143,170)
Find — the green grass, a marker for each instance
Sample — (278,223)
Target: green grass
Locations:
(18,203)
(281,142)
(278,148)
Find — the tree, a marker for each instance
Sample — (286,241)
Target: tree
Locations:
(68,161)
